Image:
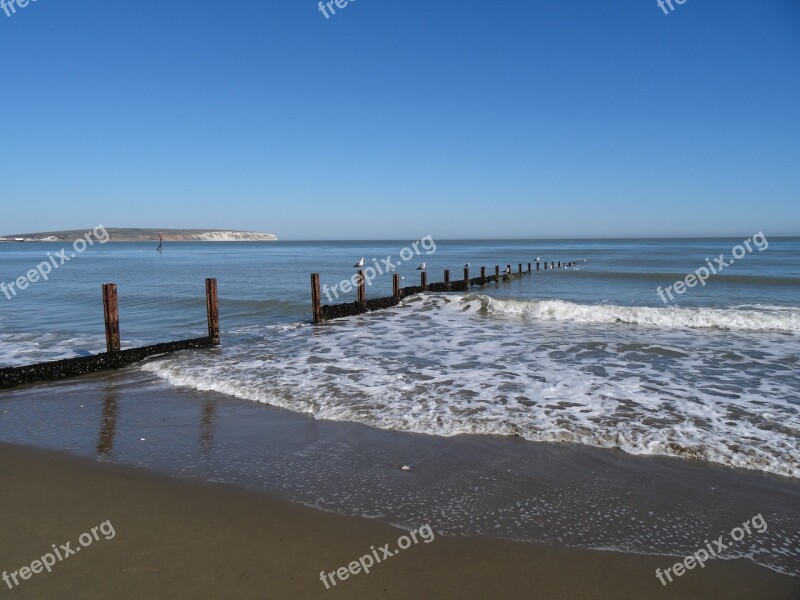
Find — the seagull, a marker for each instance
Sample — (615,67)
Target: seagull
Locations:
(359,264)
(508,270)
(537,259)
(466,266)
(421,267)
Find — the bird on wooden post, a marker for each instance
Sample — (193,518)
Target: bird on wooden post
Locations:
(359,264)
(421,267)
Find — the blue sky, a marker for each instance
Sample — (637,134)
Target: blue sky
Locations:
(400,118)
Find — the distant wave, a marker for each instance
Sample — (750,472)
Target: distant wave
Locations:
(766,319)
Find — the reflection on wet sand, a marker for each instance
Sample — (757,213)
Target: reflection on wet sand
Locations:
(207,425)
(108,426)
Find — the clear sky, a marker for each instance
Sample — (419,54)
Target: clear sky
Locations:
(399,118)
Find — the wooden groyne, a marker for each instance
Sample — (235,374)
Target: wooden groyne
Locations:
(321,313)
(114,357)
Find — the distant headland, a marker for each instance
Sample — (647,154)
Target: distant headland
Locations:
(143,235)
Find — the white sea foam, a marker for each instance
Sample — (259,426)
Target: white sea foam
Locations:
(30,348)
(449,365)
(739,319)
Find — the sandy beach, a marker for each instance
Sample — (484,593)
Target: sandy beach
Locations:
(184,539)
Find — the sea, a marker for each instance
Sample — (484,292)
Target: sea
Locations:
(560,380)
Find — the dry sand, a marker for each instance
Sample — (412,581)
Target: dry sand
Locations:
(185,539)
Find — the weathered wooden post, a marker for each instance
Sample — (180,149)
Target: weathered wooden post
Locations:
(520,269)
(466,276)
(545,265)
(423,280)
(447,279)
(483,272)
(559,264)
(362,287)
(497,271)
(316,308)
(552,265)
(212,309)
(396,286)
(111,314)
(529,267)
(537,265)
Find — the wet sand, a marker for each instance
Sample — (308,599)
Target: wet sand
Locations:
(188,539)
(563,495)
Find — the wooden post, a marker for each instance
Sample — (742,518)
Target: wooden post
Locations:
(483,272)
(497,271)
(559,264)
(316,309)
(538,264)
(552,265)
(466,276)
(529,267)
(545,265)
(447,279)
(362,287)
(423,280)
(396,286)
(111,313)
(212,309)
(520,268)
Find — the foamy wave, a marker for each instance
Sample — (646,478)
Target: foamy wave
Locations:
(438,366)
(772,319)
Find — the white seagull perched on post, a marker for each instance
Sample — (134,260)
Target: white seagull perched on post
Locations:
(537,259)
(508,270)
(466,266)
(359,264)
(421,267)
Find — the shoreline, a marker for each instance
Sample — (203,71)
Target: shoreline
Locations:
(186,539)
(495,488)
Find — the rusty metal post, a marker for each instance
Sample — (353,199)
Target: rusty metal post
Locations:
(111,314)
(316,308)
(212,309)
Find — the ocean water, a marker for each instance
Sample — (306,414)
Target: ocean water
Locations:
(589,355)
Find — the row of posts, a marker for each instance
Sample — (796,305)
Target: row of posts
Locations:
(316,299)
(111,314)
